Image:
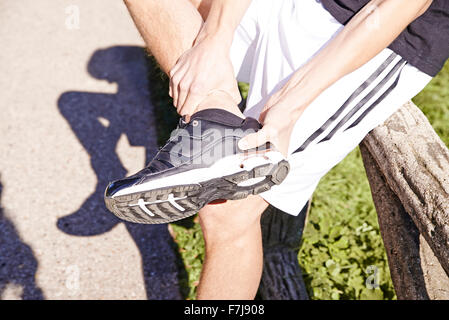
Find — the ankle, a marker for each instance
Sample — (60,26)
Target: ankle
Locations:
(220,100)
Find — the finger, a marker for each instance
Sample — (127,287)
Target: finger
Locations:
(171,89)
(183,92)
(177,75)
(171,74)
(191,103)
(253,140)
(174,84)
(173,70)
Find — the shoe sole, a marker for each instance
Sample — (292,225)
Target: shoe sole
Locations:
(178,202)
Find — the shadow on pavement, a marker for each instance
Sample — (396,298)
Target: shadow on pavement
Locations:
(99,120)
(17,262)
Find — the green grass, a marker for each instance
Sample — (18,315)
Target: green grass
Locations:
(341,241)
(434,102)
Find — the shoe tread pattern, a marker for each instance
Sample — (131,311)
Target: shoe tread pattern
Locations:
(197,195)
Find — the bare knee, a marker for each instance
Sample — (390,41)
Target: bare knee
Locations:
(231,220)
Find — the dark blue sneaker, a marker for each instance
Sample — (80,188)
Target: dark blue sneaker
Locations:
(200,163)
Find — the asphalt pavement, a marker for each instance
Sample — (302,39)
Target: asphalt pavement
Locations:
(75,113)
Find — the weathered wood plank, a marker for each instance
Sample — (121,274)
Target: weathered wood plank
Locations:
(415,164)
(407,261)
(281,235)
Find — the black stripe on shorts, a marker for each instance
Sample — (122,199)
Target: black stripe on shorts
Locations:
(365,100)
(373,77)
(375,103)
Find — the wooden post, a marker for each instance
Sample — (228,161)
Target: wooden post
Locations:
(281,235)
(407,166)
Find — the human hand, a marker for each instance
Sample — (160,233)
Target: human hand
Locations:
(204,68)
(278,118)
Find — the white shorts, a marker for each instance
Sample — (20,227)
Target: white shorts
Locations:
(276,37)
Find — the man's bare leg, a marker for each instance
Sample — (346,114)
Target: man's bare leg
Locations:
(169,28)
(234,257)
(233,263)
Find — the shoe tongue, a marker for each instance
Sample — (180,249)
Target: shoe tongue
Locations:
(218,115)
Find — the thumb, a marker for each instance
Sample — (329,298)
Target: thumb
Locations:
(253,140)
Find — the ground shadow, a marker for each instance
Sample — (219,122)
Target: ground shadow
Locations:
(17,262)
(99,120)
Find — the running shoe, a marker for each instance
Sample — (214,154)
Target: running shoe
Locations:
(200,163)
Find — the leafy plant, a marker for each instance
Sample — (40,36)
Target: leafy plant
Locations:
(191,248)
(342,240)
